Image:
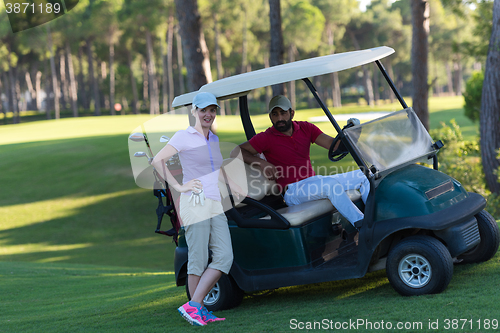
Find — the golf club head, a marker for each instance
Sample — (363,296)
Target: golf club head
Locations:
(136,137)
(141,154)
(164,138)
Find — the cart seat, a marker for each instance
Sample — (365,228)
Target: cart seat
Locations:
(307,211)
(258,186)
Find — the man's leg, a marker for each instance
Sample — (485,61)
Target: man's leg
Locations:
(322,187)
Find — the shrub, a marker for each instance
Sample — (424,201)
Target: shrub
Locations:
(472,96)
(462,160)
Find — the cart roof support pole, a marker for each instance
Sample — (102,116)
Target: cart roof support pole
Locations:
(391,84)
(245,118)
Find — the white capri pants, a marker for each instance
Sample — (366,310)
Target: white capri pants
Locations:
(206,229)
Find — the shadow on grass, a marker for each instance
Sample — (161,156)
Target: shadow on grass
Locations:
(76,201)
(50,169)
(118,231)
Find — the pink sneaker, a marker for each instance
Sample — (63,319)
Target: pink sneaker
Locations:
(192,314)
(208,317)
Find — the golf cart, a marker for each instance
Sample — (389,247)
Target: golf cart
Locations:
(418,221)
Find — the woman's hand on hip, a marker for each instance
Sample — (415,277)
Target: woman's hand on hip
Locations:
(194,185)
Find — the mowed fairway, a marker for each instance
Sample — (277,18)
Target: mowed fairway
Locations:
(78,252)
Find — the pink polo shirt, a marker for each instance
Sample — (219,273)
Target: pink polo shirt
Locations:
(290,154)
(200,159)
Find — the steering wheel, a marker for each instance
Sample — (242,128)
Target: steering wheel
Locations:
(340,153)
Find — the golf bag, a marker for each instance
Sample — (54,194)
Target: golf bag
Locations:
(161,190)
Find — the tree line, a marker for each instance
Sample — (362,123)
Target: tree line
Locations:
(141,54)
(121,51)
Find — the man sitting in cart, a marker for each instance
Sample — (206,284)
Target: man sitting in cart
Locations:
(286,147)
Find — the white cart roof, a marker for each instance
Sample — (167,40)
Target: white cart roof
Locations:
(242,84)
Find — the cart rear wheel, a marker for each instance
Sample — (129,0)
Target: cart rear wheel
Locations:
(419,265)
(224,295)
(490,239)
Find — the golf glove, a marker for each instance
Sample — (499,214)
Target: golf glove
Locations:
(354,121)
(197,198)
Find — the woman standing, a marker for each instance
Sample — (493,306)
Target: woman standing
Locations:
(200,205)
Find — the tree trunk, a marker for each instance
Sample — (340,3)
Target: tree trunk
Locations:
(20,103)
(154,105)
(390,72)
(218,57)
(145,84)
(31,89)
(244,42)
(84,97)
(376,90)
(38,90)
(13,95)
(449,77)
(104,99)
(419,57)
(269,91)
(55,86)
(458,75)
(336,97)
(64,82)
(92,81)
(180,60)
(164,84)
(437,86)
(489,123)
(73,96)
(133,84)
(193,44)
(49,90)
(367,83)
(277,48)
(218,54)
(170,63)
(291,58)
(112,77)
(2,109)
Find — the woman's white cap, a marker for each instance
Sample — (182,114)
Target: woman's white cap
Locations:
(204,99)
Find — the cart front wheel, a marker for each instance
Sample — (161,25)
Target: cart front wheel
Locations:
(419,265)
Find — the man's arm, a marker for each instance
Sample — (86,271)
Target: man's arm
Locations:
(325,141)
(250,157)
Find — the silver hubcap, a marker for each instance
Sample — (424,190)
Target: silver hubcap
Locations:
(415,271)
(213,295)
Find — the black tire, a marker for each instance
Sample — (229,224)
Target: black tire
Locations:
(419,265)
(490,239)
(224,295)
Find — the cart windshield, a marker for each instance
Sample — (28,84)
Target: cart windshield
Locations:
(392,141)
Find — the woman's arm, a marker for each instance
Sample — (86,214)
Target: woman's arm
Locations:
(159,163)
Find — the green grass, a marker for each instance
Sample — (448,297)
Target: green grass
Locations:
(81,298)
(78,250)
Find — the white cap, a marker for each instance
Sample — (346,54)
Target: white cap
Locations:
(280,101)
(204,99)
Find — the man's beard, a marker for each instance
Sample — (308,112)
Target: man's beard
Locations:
(283,125)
